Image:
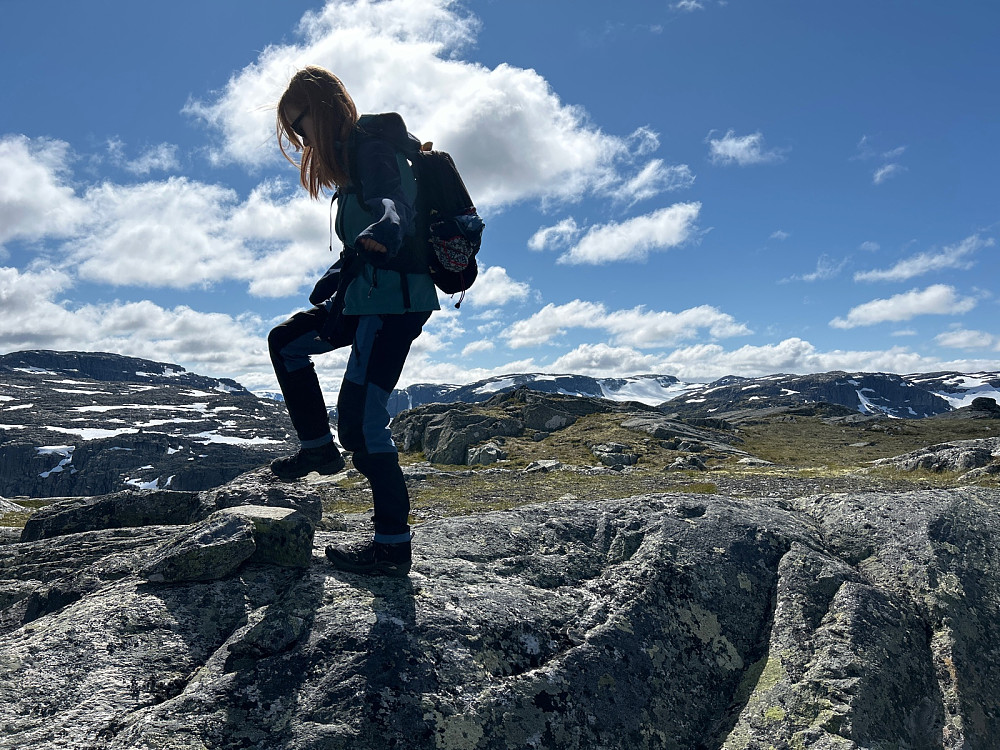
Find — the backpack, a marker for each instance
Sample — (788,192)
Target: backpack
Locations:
(448,232)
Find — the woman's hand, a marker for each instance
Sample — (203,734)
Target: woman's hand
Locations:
(372,246)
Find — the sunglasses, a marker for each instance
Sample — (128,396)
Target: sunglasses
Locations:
(296,126)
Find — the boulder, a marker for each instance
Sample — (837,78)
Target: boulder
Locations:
(483,455)
(205,551)
(128,508)
(680,433)
(218,545)
(615,455)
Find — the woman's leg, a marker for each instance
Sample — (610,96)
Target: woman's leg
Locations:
(291,345)
(381,345)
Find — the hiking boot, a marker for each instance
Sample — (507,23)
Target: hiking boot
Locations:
(324,459)
(372,558)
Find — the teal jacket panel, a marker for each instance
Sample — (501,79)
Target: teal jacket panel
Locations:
(379,291)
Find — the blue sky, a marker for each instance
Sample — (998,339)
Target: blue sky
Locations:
(694,188)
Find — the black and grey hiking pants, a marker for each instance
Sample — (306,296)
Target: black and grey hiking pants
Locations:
(379,347)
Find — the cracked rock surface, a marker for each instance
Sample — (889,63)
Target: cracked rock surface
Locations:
(853,620)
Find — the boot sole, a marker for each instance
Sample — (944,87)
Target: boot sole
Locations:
(380,568)
(334,467)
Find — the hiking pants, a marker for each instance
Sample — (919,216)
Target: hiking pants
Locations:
(379,347)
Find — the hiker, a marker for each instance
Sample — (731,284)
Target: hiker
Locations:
(359,302)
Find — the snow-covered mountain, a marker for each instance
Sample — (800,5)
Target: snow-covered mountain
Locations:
(906,396)
(647,389)
(77,423)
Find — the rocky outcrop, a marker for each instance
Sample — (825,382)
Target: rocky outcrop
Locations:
(447,432)
(655,621)
(958,455)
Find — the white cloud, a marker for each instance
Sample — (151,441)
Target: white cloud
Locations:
(706,362)
(635,327)
(558,235)
(869,246)
(601,360)
(780,235)
(494,287)
(208,343)
(961,338)
(938,299)
(633,239)
(483,345)
(172,234)
(509,132)
(162,158)
(743,150)
(688,5)
(793,355)
(953,256)
(35,199)
(653,179)
(886,171)
(825,269)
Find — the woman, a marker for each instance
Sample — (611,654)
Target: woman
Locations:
(361,302)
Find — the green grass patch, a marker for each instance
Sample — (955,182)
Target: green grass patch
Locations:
(800,441)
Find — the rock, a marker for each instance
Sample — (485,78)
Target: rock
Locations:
(754,461)
(615,455)
(282,536)
(215,547)
(124,509)
(855,620)
(986,405)
(484,455)
(444,432)
(960,455)
(261,487)
(543,465)
(686,463)
(681,436)
(205,551)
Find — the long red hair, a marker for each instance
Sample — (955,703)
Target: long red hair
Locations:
(324,164)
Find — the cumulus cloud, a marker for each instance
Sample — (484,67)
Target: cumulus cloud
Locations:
(706,362)
(171,233)
(961,338)
(634,239)
(176,233)
(483,345)
(956,256)
(938,299)
(494,287)
(653,179)
(161,158)
(602,360)
(558,235)
(35,318)
(742,150)
(634,327)
(792,355)
(511,135)
(36,199)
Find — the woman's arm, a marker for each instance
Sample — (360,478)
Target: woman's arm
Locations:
(382,193)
